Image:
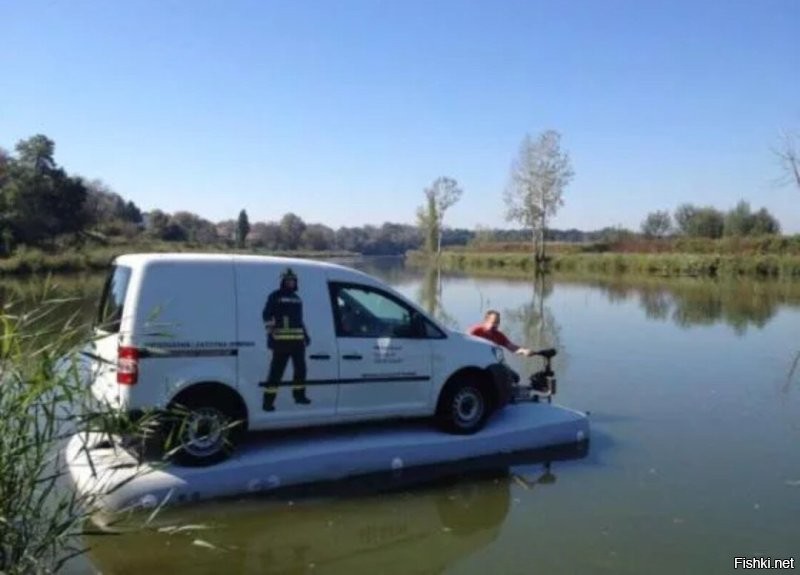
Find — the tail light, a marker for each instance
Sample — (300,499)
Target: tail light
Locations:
(127,365)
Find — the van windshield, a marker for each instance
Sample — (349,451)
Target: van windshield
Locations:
(109,316)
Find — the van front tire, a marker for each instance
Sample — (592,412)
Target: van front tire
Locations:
(464,407)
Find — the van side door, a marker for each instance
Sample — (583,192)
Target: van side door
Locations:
(385,356)
(300,337)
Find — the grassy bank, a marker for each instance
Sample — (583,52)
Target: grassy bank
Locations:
(32,261)
(740,246)
(654,264)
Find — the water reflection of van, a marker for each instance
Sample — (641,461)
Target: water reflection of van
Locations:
(413,532)
(420,520)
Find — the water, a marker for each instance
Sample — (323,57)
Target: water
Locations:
(693,460)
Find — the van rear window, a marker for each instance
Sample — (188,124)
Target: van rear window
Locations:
(110,314)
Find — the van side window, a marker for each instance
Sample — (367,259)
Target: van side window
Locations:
(109,315)
(362,311)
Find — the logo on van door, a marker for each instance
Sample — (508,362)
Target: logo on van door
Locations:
(287,339)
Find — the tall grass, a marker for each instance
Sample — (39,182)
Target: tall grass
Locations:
(43,401)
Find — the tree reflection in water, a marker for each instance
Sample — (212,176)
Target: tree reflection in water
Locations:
(534,325)
(689,302)
(430,297)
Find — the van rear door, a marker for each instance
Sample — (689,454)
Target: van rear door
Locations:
(184,328)
(102,350)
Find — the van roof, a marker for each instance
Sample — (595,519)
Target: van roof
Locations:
(142,259)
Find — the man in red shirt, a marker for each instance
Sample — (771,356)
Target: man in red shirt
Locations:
(488,330)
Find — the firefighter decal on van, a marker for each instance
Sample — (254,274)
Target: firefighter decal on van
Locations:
(287,338)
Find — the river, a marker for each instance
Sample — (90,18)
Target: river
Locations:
(694,456)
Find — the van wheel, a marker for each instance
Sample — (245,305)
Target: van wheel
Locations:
(464,408)
(203,432)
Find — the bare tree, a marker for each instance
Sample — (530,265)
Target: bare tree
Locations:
(539,175)
(790,157)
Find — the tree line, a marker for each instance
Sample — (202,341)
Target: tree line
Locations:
(42,205)
(709,222)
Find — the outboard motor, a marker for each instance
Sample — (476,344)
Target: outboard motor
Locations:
(540,384)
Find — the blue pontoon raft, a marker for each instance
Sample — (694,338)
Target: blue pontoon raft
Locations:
(268,463)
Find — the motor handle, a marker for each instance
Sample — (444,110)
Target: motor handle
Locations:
(546,353)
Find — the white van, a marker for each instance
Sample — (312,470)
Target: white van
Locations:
(280,343)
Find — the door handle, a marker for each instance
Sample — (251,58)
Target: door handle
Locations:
(352,356)
(322,356)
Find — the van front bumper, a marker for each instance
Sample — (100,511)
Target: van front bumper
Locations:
(504,380)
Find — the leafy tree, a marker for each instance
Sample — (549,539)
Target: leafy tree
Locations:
(265,235)
(318,237)
(5,163)
(764,223)
(40,200)
(130,212)
(242,229)
(226,231)
(292,228)
(351,239)
(657,224)
(684,215)
(195,228)
(705,222)
(742,221)
(539,175)
(174,232)
(709,223)
(106,209)
(157,222)
(739,221)
(37,153)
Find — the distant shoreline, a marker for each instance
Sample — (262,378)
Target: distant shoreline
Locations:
(33,261)
(651,264)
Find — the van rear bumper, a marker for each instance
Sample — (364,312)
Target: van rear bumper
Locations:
(504,379)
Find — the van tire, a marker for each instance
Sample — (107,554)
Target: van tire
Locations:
(464,406)
(204,427)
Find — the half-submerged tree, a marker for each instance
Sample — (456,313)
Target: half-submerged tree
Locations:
(539,175)
(443,194)
(428,220)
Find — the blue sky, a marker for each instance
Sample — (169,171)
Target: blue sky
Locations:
(343,112)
